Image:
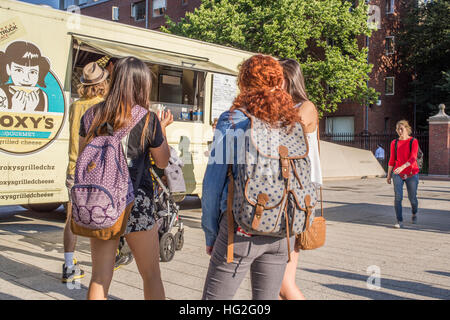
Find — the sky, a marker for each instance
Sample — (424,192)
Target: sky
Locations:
(53,3)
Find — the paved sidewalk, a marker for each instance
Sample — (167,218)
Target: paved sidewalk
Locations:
(413,263)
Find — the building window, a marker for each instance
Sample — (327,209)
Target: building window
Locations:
(341,128)
(386,124)
(184,2)
(159,7)
(81,2)
(389,86)
(390,4)
(115,13)
(138,10)
(389,45)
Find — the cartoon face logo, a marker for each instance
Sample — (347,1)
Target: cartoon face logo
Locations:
(32,104)
(22,75)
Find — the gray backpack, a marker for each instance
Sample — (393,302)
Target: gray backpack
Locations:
(272,193)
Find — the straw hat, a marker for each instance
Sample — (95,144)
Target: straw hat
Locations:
(93,74)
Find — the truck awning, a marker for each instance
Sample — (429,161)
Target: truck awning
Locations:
(152,55)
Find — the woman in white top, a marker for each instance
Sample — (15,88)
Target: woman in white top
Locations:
(295,86)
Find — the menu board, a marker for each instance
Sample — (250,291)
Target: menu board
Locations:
(224,90)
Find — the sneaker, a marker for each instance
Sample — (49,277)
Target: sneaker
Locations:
(398,225)
(123,260)
(72,273)
(414,218)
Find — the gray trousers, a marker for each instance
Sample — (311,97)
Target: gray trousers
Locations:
(266,258)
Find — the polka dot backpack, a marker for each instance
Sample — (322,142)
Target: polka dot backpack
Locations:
(271,193)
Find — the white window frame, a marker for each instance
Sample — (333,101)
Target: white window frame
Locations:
(114,10)
(160,9)
(386,47)
(393,86)
(392,5)
(134,11)
(338,136)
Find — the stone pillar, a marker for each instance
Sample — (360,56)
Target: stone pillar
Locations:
(439,143)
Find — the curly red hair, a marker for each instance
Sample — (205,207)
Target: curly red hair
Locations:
(260,82)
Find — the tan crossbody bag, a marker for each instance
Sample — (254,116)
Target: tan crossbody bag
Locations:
(314,236)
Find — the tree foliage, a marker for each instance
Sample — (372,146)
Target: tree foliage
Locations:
(424,49)
(321,34)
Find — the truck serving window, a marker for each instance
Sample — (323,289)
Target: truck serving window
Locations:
(178,79)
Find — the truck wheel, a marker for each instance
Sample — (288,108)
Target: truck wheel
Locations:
(42,207)
(167,247)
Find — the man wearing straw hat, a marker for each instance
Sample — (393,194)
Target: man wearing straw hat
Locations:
(91,90)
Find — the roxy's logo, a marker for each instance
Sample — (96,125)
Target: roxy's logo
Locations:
(24,122)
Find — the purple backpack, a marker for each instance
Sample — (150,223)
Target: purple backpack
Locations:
(102,195)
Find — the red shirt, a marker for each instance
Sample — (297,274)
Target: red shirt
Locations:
(404,154)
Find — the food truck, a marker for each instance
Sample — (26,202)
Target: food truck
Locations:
(42,53)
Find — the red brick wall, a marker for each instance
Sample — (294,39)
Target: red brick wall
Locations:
(393,107)
(439,154)
(175,10)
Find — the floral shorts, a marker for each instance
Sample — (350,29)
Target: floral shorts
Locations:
(142,216)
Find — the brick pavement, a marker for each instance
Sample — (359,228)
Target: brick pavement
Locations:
(413,262)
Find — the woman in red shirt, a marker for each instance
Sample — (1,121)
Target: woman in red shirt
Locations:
(403,164)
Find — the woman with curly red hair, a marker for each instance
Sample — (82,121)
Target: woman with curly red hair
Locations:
(261,96)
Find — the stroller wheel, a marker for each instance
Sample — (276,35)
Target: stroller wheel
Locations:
(179,240)
(167,247)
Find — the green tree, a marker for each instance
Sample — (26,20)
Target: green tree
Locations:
(321,34)
(424,50)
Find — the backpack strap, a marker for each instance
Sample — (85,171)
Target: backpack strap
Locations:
(230,221)
(137,113)
(395,152)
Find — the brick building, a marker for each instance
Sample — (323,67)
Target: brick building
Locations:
(133,12)
(386,78)
(350,117)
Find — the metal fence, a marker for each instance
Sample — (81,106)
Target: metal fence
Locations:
(371,141)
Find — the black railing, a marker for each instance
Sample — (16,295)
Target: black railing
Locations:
(371,142)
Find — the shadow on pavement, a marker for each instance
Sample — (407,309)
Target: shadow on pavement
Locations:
(391,284)
(439,273)
(371,294)
(28,276)
(383,215)
(44,236)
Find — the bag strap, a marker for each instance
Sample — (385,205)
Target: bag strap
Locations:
(230,221)
(137,113)
(395,152)
(318,145)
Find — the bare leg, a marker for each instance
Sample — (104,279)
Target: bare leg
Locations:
(70,240)
(145,248)
(289,289)
(103,253)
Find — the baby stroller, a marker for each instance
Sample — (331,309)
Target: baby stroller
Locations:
(166,194)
